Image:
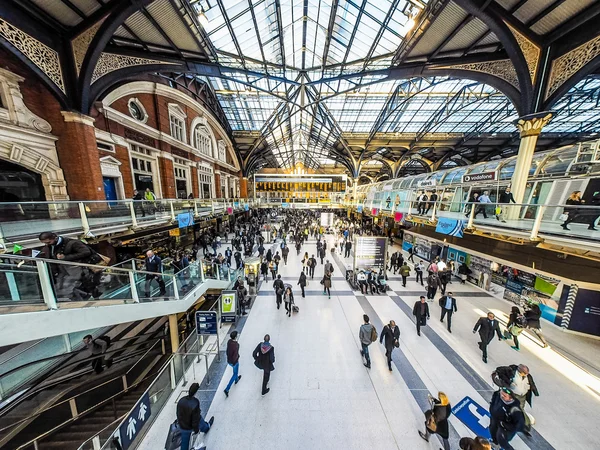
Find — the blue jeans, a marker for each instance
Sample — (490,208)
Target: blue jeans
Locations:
(365,352)
(234,377)
(185,439)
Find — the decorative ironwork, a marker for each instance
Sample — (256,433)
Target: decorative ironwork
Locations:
(531,52)
(82,42)
(502,69)
(44,57)
(109,62)
(532,126)
(565,66)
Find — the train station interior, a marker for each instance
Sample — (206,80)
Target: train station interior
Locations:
(299,224)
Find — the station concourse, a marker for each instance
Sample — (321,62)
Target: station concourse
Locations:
(156,154)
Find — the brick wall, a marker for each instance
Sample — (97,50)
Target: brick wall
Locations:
(167,178)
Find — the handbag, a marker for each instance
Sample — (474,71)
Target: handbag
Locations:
(396,343)
(563,217)
(173,437)
(430,422)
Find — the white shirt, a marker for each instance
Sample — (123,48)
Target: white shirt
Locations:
(441,265)
(520,384)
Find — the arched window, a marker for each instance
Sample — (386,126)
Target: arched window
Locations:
(202,140)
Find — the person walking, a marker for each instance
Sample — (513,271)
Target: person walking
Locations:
(484,200)
(448,305)
(433,282)
(154,264)
(264,269)
(326,282)
(279,289)
(404,273)
(348,247)
(285,251)
(571,209)
(463,273)
(507,419)
(264,359)
(233,359)
(504,198)
(419,268)
(487,326)
(139,202)
(312,263)
(533,316)
(367,334)
(189,417)
(436,419)
(477,443)
(321,253)
(97,347)
(391,335)
(516,323)
(302,282)
(523,388)
(288,299)
(421,313)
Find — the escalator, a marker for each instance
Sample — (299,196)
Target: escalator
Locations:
(68,404)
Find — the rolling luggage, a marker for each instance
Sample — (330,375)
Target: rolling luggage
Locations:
(295,308)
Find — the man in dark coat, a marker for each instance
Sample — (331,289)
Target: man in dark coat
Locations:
(448,305)
(189,416)
(154,264)
(486,327)
(348,247)
(279,288)
(64,249)
(507,419)
(391,334)
(421,313)
(264,358)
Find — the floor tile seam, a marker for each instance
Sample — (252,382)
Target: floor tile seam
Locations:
(473,378)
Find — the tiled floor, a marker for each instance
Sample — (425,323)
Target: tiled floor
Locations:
(323,398)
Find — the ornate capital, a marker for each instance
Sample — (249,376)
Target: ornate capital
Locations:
(70,116)
(533,124)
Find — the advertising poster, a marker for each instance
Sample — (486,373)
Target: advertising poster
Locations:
(422,248)
(326,219)
(359,209)
(480,271)
(228,306)
(185,219)
(398,217)
(451,227)
(585,316)
(407,242)
(370,252)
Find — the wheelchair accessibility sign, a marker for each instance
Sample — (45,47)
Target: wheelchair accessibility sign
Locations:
(474,416)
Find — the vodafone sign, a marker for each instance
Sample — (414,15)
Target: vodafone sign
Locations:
(485,176)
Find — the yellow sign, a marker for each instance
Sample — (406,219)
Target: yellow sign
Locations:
(175,232)
(324,200)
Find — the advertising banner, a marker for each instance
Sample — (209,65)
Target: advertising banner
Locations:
(585,316)
(451,227)
(326,219)
(422,248)
(359,209)
(480,271)
(185,219)
(474,416)
(229,210)
(398,217)
(370,252)
(228,306)
(485,176)
(374,211)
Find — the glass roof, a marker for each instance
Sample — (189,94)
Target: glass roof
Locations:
(304,73)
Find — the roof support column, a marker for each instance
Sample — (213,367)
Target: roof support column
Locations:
(530,128)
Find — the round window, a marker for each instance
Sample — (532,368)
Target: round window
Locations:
(135,111)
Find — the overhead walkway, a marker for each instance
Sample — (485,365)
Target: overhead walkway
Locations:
(42,296)
(22,222)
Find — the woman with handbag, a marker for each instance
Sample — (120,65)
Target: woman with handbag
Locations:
(571,211)
(436,419)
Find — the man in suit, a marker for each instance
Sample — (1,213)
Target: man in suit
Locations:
(486,327)
(421,313)
(154,264)
(391,334)
(448,305)
(279,288)
(264,357)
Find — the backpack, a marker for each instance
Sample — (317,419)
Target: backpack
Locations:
(373,334)
(521,321)
(279,291)
(105,339)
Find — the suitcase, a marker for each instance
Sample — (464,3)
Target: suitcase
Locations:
(295,309)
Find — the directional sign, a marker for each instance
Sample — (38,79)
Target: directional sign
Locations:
(485,176)
(475,417)
(135,421)
(206,322)
(228,306)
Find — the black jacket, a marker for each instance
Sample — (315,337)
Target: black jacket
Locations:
(417,310)
(72,249)
(154,265)
(390,335)
(302,280)
(188,413)
(486,329)
(533,316)
(264,360)
(508,416)
(233,352)
(442,413)
(442,302)
(506,197)
(278,284)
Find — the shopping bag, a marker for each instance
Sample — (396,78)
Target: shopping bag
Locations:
(563,217)
(174,437)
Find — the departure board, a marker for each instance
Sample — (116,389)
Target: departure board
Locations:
(300,183)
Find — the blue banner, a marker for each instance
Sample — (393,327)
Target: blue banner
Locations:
(185,219)
(246,208)
(451,227)
(135,421)
(359,209)
(474,416)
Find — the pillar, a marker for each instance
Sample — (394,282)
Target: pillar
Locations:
(244,187)
(530,128)
(174,332)
(79,158)
(167,176)
(195,186)
(217,184)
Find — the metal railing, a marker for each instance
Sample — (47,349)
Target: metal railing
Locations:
(37,281)
(531,220)
(22,222)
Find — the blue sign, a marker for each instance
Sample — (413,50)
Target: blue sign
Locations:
(246,208)
(285,205)
(185,219)
(359,209)
(206,322)
(451,227)
(474,416)
(135,421)
(236,204)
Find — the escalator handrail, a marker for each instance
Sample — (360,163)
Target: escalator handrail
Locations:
(119,377)
(66,355)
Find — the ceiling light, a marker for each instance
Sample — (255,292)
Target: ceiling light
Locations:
(203,19)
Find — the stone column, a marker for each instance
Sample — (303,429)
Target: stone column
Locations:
(217,184)
(79,159)
(167,176)
(174,332)
(530,128)
(243,187)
